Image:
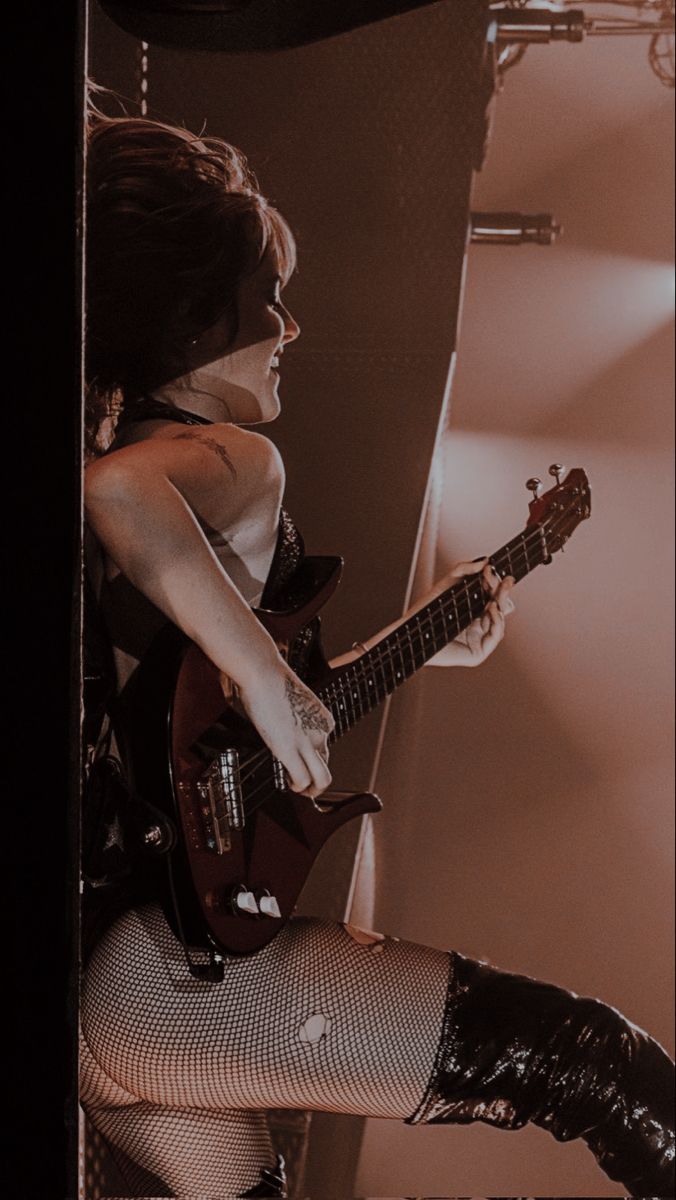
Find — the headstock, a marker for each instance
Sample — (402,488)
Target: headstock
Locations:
(559,511)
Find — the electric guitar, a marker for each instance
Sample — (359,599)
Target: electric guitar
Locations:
(240,843)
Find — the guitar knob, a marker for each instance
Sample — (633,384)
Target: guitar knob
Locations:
(534,486)
(268,905)
(557,470)
(246,902)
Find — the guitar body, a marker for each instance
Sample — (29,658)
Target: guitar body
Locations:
(193,754)
(240,845)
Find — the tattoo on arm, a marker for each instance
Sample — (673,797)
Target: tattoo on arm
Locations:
(306,713)
(212,444)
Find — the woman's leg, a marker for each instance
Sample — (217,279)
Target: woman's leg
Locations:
(515,1050)
(165,1150)
(325,1018)
(320,1019)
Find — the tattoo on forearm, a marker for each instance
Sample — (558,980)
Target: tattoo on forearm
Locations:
(195,435)
(306,713)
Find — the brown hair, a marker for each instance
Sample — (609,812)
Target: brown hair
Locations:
(174,223)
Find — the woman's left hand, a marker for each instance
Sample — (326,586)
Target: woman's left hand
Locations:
(481,638)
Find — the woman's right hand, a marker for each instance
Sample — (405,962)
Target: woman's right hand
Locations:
(294,724)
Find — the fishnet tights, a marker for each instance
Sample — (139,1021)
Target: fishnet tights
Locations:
(177,1072)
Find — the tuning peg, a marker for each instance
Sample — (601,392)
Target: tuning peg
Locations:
(557,470)
(534,486)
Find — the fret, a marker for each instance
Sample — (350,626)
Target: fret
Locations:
(515,558)
(511,569)
(414,664)
(477,597)
(355,692)
(381,664)
(387,647)
(370,693)
(339,710)
(344,705)
(464,596)
(444,634)
(449,626)
(387,681)
(405,666)
(430,640)
(419,620)
(452,598)
(350,694)
(371,688)
(330,697)
(416,642)
(421,638)
(401,673)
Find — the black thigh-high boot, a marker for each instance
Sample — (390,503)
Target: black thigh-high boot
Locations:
(515,1050)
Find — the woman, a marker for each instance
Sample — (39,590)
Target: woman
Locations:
(186,326)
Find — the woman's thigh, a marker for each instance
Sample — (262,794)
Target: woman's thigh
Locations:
(325,1017)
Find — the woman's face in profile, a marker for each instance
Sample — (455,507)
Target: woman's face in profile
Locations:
(246,369)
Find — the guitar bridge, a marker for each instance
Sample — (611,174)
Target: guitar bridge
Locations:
(221,792)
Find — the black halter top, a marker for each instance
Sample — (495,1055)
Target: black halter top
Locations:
(290,548)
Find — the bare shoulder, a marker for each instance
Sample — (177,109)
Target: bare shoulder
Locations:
(252,460)
(243,449)
(213,446)
(218,468)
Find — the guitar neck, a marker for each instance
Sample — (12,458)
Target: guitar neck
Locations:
(355,690)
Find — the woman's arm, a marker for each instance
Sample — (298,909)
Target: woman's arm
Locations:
(141,503)
(476,642)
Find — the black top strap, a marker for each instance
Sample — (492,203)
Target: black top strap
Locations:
(148,408)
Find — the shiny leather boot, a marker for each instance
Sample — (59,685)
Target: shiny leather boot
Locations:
(515,1050)
(273,1181)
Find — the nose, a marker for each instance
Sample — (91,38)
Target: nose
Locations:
(291,327)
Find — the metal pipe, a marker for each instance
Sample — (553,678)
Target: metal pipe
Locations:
(538,25)
(513,228)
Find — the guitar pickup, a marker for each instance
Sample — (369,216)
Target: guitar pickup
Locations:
(221,792)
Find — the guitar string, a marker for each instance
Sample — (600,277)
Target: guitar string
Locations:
(424,622)
(462,590)
(357,673)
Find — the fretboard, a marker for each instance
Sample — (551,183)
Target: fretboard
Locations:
(358,688)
